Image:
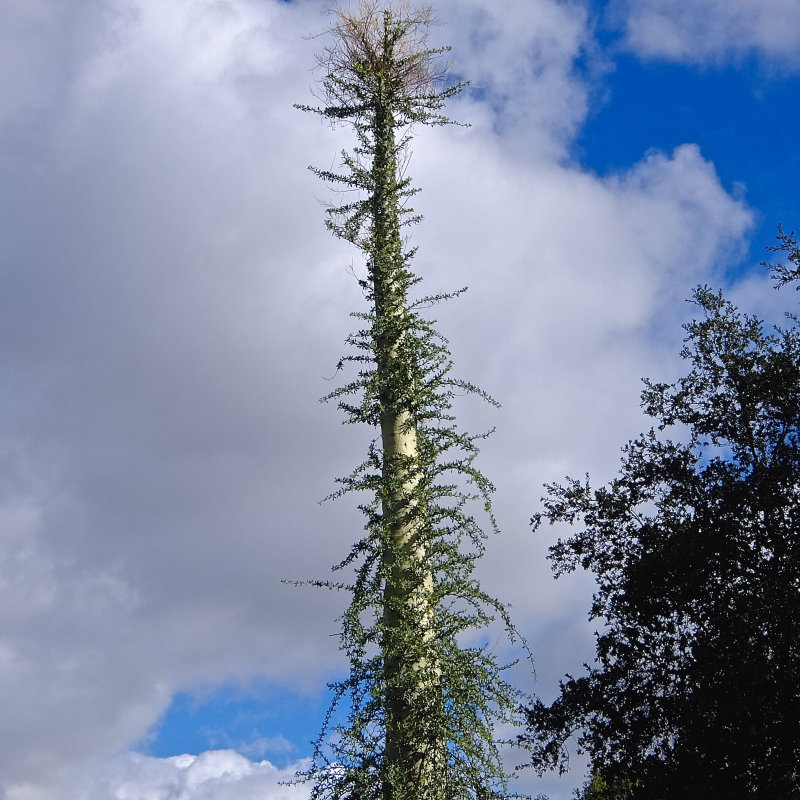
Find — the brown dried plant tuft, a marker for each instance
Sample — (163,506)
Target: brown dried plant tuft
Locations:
(385,38)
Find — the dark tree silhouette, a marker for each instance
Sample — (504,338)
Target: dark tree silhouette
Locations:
(695,689)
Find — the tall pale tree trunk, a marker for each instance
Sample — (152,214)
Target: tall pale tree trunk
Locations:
(421,708)
(410,665)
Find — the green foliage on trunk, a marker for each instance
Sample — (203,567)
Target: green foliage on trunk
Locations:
(421,702)
(695,689)
(598,788)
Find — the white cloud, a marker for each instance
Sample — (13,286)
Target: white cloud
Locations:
(699,31)
(262,744)
(171,306)
(214,775)
(521,53)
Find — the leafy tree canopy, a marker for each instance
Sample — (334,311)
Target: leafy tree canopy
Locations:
(695,688)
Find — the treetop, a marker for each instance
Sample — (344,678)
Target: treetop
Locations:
(380,55)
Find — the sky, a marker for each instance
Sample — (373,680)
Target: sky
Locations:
(172,308)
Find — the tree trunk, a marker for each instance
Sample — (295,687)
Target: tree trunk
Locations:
(408,612)
(421,707)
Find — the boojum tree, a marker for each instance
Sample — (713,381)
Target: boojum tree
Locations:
(421,702)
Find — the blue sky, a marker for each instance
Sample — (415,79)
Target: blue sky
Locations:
(172,306)
(267,722)
(742,116)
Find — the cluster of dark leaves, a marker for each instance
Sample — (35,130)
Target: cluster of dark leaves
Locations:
(695,688)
